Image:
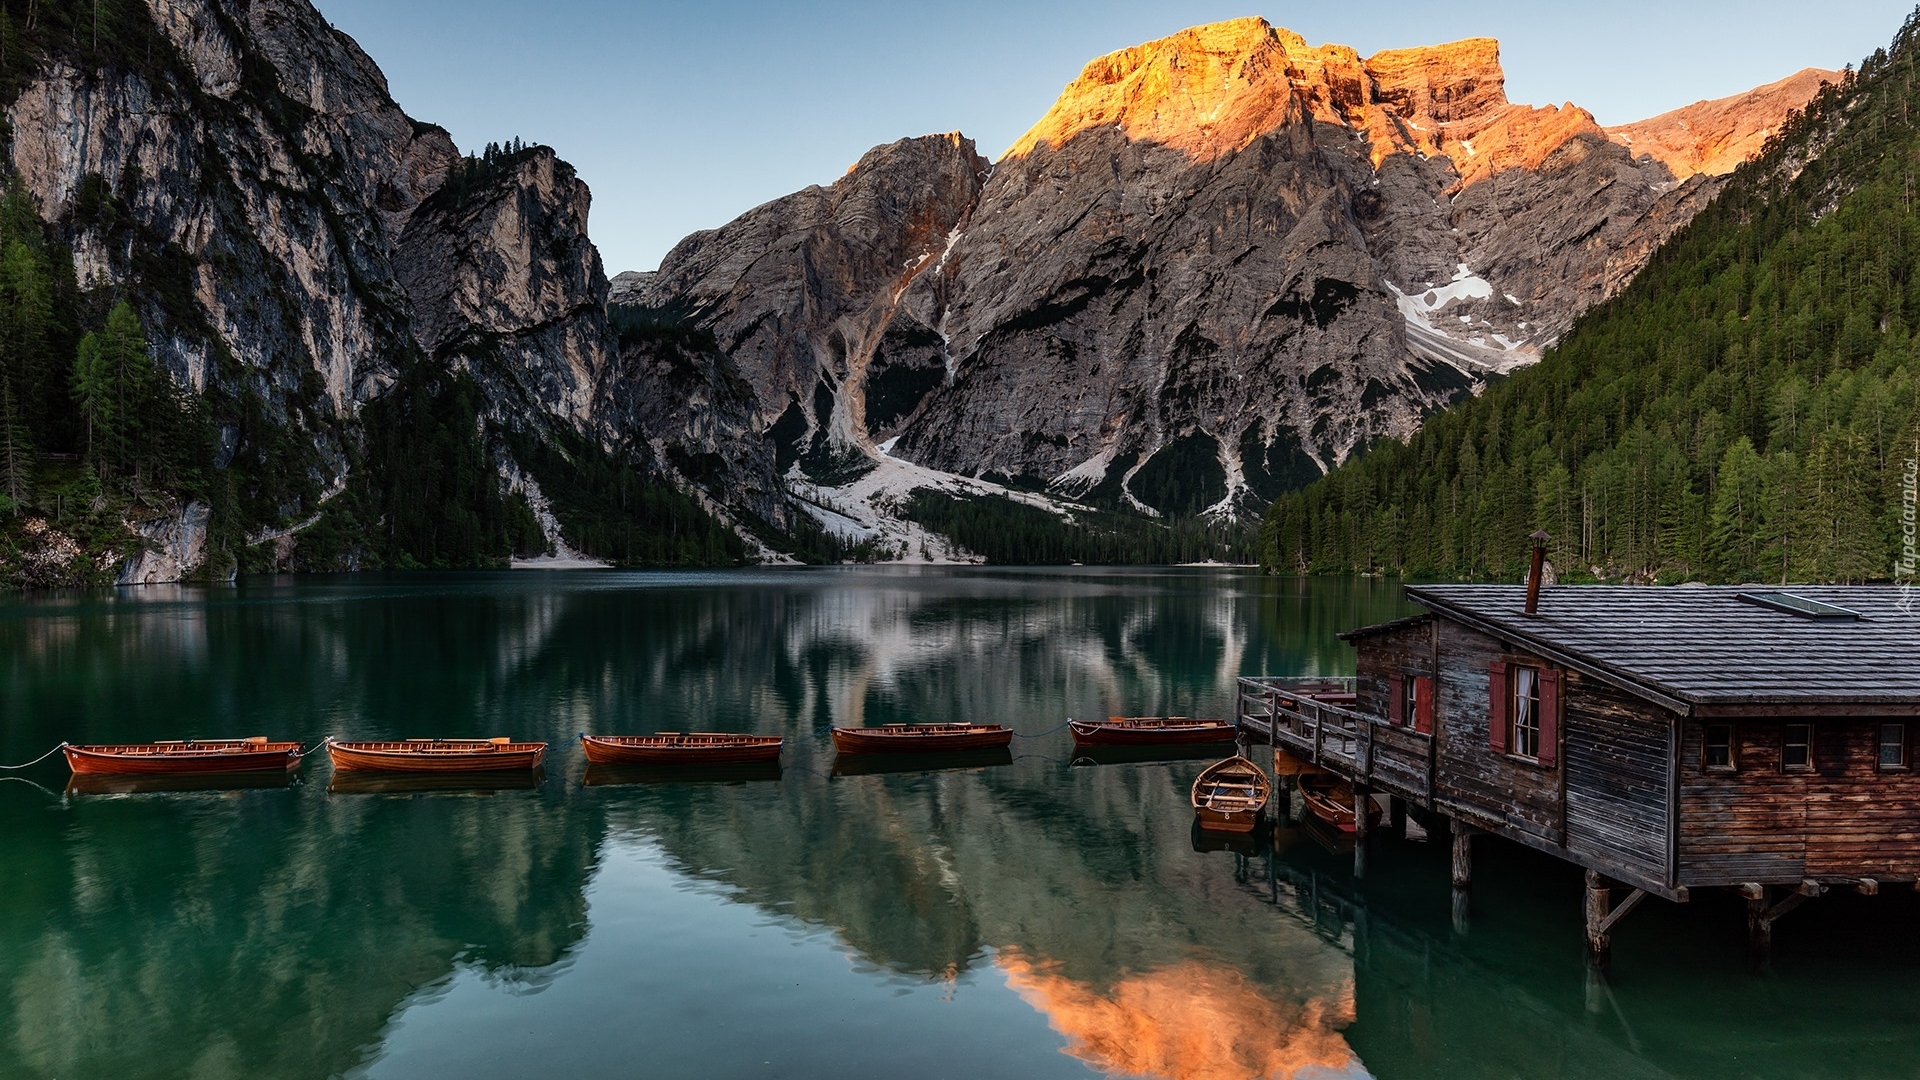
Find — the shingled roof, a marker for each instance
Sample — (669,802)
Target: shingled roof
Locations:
(1705,649)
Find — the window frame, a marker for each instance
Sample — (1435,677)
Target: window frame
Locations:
(1905,763)
(1523,713)
(1409,700)
(1732,764)
(1805,766)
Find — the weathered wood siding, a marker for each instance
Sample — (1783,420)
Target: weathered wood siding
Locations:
(1471,778)
(1407,650)
(1617,758)
(1844,819)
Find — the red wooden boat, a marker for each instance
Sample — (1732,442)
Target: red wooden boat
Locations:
(185,757)
(920,738)
(1331,800)
(678,748)
(435,755)
(1228,796)
(1149,731)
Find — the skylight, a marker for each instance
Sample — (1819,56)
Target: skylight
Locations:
(1799,605)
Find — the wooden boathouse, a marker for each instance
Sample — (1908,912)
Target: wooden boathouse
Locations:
(1667,739)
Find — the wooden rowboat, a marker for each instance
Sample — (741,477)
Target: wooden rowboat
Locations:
(1229,795)
(920,738)
(1149,731)
(187,757)
(1330,799)
(435,755)
(678,748)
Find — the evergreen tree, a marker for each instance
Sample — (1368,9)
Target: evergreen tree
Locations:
(16,451)
(1735,533)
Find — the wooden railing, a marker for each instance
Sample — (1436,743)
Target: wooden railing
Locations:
(1319,719)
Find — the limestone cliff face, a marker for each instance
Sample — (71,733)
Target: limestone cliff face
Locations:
(295,242)
(1225,254)
(803,292)
(503,280)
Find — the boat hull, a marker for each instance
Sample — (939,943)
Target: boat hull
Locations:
(1170,732)
(921,738)
(183,759)
(1231,795)
(1332,802)
(699,748)
(435,756)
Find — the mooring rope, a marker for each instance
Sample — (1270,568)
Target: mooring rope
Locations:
(37,760)
(1043,734)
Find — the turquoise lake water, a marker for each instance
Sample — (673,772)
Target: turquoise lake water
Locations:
(1031,917)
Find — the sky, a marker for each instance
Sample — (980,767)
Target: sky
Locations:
(682,115)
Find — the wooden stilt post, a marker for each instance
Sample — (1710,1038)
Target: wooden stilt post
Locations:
(1397,815)
(1599,904)
(1462,855)
(1462,872)
(1361,804)
(1759,922)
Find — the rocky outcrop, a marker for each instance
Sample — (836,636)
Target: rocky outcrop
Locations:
(1219,264)
(176,547)
(503,281)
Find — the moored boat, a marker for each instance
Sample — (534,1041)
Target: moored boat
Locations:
(681,748)
(1330,799)
(435,755)
(1229,795)
(1149,731)
(184,757)
(920,738)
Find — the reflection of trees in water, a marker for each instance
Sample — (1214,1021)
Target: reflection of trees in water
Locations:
(269,932)
(275,932)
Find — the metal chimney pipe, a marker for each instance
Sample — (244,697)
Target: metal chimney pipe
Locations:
(1540,539)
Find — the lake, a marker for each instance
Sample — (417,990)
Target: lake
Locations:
(1029,917)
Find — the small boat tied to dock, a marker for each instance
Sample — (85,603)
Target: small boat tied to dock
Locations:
(670,748)
(184,757)
(1150,731)
(1331,799)
(920,738)
(434,755)
(1229,796)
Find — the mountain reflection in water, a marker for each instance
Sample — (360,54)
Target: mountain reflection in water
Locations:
(1021,918)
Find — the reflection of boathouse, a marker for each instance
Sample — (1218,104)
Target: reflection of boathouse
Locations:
(1666,739)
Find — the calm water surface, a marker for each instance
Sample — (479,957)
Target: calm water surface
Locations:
(1021,918)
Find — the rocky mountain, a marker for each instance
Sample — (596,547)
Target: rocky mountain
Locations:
(1217,266)
(391,348)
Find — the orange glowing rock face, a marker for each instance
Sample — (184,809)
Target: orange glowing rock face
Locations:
(1715,137)
(1212,90)
(1190,1021)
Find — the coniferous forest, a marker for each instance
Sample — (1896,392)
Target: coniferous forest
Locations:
(1743,411)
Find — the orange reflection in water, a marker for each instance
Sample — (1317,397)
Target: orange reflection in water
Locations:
(1191,1021)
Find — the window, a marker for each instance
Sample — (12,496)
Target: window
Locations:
(1800,605)
(1893,746)
(1796,748)
(1525,713)
(1718,754)
(1410,700)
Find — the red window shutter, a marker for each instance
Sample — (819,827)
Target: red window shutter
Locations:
(1396,700)
(1549,717)
(1497,706)
(1423,705)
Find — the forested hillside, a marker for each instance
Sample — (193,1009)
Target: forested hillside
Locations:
(1743,411)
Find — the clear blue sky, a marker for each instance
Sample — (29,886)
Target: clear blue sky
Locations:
(681,115)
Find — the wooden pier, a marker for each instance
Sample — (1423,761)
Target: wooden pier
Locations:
(1665,740)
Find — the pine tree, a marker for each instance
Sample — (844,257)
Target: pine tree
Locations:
(16,452)
(1735,532)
